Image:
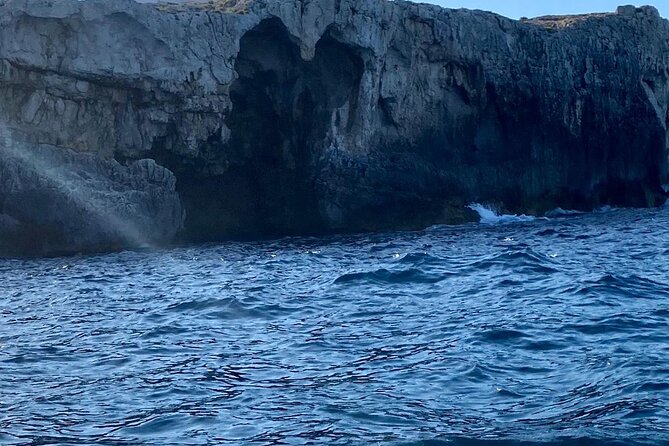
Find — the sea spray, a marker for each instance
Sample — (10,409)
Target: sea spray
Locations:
(490,217)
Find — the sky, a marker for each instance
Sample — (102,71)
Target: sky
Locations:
(532,8)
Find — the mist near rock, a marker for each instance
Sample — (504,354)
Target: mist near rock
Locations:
(59,202)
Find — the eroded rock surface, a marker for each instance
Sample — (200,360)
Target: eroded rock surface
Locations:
(57,201)
(308,116)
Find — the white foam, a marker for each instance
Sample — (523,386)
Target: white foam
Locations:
(490,217)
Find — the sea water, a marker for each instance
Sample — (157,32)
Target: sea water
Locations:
(517,331)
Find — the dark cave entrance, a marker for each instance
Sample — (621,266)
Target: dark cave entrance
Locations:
(283,108)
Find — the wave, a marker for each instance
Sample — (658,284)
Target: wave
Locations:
(384,276)
(526,260)
(490,217)
(559,212)
(605,209)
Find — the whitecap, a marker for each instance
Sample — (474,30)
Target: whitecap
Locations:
(490,217)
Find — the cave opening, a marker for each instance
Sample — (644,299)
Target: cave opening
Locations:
(283,109)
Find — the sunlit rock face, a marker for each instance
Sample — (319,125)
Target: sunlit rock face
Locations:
(55,201)
(295,117)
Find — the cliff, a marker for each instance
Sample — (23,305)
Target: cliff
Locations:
(274,117)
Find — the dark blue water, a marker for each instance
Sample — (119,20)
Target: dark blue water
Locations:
(543,332)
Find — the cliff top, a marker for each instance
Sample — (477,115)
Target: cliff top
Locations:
(557,22)
(553,22)
(231,6)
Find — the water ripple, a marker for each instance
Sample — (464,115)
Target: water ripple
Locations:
(547,332)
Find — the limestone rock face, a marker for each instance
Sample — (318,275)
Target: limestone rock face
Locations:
(306,116)
(57,201)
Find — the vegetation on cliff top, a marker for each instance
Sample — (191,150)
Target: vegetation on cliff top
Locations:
(230,6)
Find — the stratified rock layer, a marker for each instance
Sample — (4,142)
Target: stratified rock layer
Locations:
(309,116)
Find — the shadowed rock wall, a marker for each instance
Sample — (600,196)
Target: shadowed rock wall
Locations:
(293,116)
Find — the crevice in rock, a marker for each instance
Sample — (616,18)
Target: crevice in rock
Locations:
(654,96)
(284,110)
